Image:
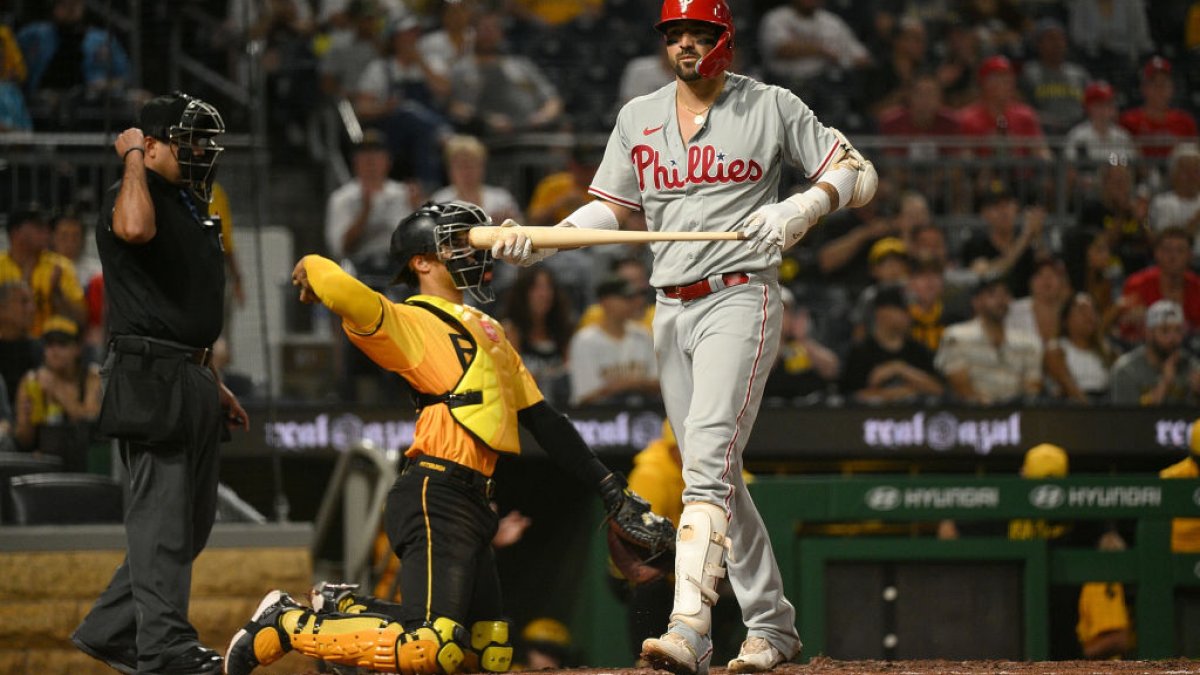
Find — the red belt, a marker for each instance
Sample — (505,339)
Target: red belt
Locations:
(704,287)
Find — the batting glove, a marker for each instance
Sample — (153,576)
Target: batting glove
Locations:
(515,247)
(764,227)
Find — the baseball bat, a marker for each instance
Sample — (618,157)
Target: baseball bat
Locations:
(484,236)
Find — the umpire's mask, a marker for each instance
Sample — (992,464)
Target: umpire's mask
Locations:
(191,126)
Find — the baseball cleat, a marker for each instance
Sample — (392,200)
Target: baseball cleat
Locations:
(681,650)
(756,656)
(262,640)
(327,597)
(123,662)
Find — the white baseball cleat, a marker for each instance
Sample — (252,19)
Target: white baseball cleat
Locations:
(680,650)
(756,656)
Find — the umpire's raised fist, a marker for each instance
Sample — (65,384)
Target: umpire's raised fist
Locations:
(130,138)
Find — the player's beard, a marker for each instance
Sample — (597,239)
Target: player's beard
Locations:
(687,73)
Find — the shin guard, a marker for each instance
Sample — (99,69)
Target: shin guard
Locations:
(490,646)
(699,564)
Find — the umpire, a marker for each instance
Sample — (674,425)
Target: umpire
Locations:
(164,277)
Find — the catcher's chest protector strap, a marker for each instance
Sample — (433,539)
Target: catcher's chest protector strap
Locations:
(700,549)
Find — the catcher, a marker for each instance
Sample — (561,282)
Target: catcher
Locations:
(472,393)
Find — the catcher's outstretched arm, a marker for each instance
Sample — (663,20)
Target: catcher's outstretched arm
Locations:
(558,437)
(344,295)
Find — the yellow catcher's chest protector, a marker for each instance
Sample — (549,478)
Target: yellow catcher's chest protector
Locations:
(491,371)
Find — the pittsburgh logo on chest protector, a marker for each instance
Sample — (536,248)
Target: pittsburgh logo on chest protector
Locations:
(704,165)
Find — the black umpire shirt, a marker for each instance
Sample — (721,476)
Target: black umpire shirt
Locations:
(173,286)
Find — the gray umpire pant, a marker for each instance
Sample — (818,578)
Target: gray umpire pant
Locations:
(170,513)
(714,355)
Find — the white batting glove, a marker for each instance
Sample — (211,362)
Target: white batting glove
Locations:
(515,248)
(764,228)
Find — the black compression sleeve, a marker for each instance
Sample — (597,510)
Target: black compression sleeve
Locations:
(558,437)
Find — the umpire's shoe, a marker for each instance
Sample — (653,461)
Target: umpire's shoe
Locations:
(756,656)
(262,640)
(681,650)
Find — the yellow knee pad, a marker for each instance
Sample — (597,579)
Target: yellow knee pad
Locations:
(450,638)
(490,646)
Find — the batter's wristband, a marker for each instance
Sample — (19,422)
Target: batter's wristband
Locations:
(136,147)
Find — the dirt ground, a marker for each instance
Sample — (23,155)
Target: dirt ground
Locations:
(825,666)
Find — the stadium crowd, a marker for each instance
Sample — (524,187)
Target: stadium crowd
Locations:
(972,277)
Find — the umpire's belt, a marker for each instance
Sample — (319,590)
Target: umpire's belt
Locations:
(705,287)
(436,466)
(163,349)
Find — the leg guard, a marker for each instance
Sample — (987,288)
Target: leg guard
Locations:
(699,564)
(375,642)
(490,649)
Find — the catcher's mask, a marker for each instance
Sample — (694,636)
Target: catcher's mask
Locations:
(714,12)
(442,229)
(190,126)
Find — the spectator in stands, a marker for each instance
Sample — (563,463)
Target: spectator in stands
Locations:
(889,263)
(545,643)
(361,214)
(404,97)
(69,60)
(538,322)
(497,93)
(553,13)
(886,83)
(50,276)
(67,236)
(1001,24)
(1113,35)
(1185,532)
(801,39)
(804,366)
(1156,125)
(1099,138)
(1039,313)
(926,306)
(352,50)
(1003,249)
(1078,360)
(57,402)
(634,270)
(466,164)
(1168,278)
(844,241)
(19,351)
(982,361)
(644,75)
(1158,372)
(1121,213)
(282,29)
(1092,269)
(1180,205)
(14,115)
(921,112)
(7,418)
(454,41)
(957,68)
(889,366)
(558,194)
(1053,85)
(613,362)
(999,115)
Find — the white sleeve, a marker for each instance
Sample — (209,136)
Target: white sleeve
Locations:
(374,80)
(582,367)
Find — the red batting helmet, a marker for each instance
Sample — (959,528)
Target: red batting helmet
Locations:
(715,12)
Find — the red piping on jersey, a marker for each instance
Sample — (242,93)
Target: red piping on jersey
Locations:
(737,424)
(821,169)
(613,198)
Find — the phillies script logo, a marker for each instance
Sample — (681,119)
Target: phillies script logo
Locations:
(704,165)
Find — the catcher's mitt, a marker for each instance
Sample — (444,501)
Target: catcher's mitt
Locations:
(641,542)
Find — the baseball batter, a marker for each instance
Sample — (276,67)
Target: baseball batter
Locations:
(706,153)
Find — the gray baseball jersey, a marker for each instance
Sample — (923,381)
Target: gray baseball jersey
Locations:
(730,167)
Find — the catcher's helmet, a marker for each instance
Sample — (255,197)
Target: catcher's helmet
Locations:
(441,229)
(715,12)
(192,126)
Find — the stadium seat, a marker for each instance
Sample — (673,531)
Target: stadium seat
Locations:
(14,464)
(66,499)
